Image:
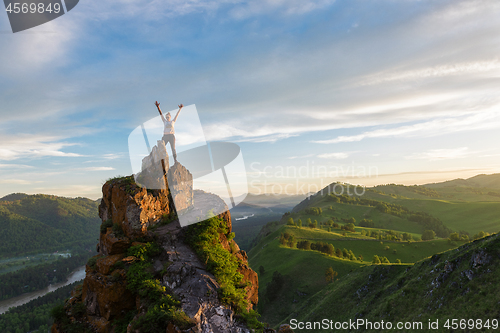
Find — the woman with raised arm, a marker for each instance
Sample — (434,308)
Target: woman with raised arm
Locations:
(168,129)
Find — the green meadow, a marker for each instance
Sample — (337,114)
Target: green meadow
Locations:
(288,276)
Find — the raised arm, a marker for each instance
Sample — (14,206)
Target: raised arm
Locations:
(177,115)
(159,110)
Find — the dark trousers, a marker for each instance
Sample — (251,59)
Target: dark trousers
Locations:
(170,138)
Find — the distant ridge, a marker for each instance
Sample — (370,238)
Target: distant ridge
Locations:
(14,197)
(480,181)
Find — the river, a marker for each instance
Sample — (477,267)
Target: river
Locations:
(77,275)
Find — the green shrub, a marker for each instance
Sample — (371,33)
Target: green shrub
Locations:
(116,276)
(117,265)
(121,324)
(159,315)
(203,237)
(93,261)
(105,225)
(78,309)
(144,252)
(250,318)
(58,313)
(118,230)
(162,307)
(136,274)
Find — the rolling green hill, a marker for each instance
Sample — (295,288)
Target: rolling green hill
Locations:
(456,209)
(302,271)
(459,284)
(384,218)
(44,223)
(479,181)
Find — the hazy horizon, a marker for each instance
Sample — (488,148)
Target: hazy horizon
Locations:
(268,193)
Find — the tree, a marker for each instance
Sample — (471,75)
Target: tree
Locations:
(290,221)
(300,223)
(314,210)
(304,245)
(273,288)
(334,198)
(398,261)
(348,227)
(309,222)
(481,234)
(376,259)
(381,206)
(454,237)
(315,224)
(338,252)
(428,235)
(330,275)
(407,236)
(330,250)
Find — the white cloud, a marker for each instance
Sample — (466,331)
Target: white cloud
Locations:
(98,169)
(33,146)
(42,48)
(113,156)
(441,154)
(157,9)
(302,156)
(476,121)
(19,181)
(15,166)
(284,7)
(490,67)
(266,138)
(338,156)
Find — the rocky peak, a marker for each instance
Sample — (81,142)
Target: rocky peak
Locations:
(133,216)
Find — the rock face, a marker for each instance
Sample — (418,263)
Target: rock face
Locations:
(154,167)
(180,182)
(196,287)
(127,211)
(131,207)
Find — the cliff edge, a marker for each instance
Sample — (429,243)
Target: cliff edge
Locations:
(152,275)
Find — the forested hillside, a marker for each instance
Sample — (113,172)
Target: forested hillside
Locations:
(41,223)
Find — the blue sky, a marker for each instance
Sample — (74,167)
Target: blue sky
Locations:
(372,92)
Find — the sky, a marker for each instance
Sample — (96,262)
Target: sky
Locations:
(364,92)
